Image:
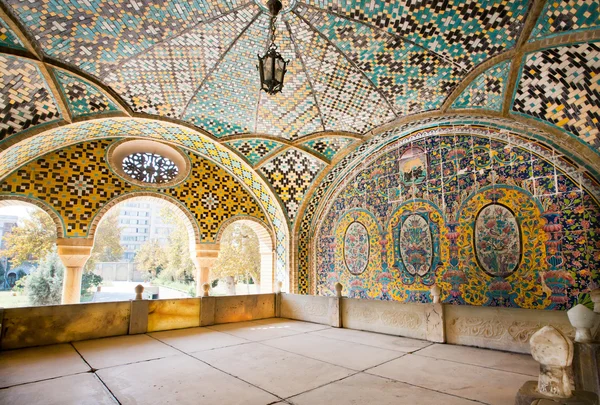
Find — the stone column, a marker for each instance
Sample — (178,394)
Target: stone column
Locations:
(206,256)
(73,253)
(267,272)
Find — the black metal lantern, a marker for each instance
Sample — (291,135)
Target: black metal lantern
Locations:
(272,66)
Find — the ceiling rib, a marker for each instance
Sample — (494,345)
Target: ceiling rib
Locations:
(167,39)
(214,68)
(312,88)
(386,32)
(349,61)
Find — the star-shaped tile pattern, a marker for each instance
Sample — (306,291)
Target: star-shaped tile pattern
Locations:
(328,147)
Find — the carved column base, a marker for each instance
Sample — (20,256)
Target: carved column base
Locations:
(529,395)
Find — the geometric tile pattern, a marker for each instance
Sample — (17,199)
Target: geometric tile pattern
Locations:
(411,78)
(97,35)
(465,31)
(255,149)
(291,175)
(293,112)
(34,147)
(226,102)
(347,100)
(486,90)
(566,16)
(25,99)
(560,86)
(83,97)
(328,147)
(78,191)
(161,80)
(8,37)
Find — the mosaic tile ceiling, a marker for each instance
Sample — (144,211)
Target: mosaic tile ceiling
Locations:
(354,65)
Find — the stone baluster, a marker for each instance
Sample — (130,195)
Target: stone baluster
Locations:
(338,290)
(595,296)
(436,292)
(583,320)
(205,290)
(206,256)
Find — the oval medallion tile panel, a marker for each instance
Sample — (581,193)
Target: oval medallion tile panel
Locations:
(356,248)
(497,240)
(416,245)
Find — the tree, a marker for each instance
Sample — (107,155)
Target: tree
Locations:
(239,256)
(151,259)
(179,265)
(44,285)
(33,239)
(107,241)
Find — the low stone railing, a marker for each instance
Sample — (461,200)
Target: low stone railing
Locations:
(495,328)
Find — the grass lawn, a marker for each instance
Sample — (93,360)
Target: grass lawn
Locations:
(8,301)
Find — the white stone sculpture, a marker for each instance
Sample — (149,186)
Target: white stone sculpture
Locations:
(554,352)
(595,296)
(583,319)
(279,287)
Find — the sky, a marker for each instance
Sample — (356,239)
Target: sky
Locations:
(19,210)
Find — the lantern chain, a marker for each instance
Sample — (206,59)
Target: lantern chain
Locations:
(273,32)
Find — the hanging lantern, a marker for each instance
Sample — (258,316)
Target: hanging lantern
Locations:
(272,66)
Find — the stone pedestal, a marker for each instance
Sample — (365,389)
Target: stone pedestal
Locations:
(528,395)
(586,367)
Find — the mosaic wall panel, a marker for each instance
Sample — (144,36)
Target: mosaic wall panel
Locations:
(83,97)
(560,86)
(466,31)
(77,182)
(293,112)
(25,99)
(226,102)
(347,100)
(411,78)
(494,128)
(328,147)
(97,35)
(483,218)
(486,90)
(8,37)
(255,149)
(163,79)
(35,147)
(566,16)
(291,175)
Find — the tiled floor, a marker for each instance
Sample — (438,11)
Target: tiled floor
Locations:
(274,361)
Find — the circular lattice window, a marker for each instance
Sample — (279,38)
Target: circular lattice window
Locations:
(148,163)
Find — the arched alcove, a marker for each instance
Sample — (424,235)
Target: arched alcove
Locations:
(266,248)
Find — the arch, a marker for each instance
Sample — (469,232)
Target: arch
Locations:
(266,248)
(8,200)
(35,146)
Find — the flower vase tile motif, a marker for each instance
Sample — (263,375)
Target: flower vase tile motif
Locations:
(497,240)
(356,248)
(416,246)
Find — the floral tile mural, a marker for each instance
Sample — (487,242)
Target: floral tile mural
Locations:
(491,222)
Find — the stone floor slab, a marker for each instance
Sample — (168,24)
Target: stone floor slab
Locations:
(39,363)
(108,352)
(464,380)
(293,324)
(363,389)
(179,380)
(197,339)
(512,362)
(401,344)
(351,355)
(79,389)
(255,331)
(276,371)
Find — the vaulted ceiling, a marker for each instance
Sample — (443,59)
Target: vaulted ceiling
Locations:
(355,67)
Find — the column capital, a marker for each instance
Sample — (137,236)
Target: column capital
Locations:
(74,252)
(207,254)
